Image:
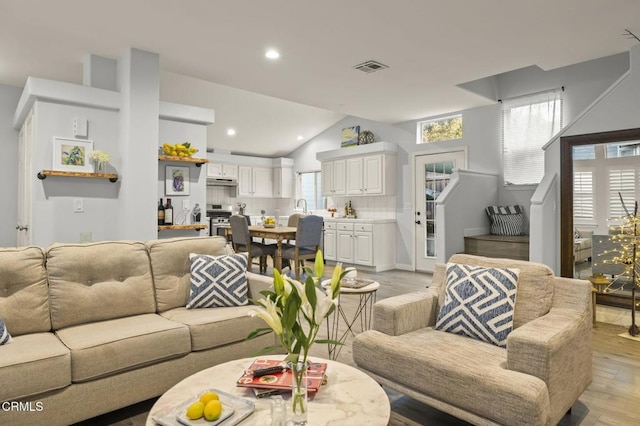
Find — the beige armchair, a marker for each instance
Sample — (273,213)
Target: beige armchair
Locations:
(535,380)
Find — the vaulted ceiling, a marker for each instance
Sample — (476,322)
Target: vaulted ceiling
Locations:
(212,53)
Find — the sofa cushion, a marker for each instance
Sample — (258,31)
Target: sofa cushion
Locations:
(213,327)
(535,285)
(98,281)
(5,337)
(172,268)
(479,302)
(24,294)
(104,348)
(218,281)
(32,364)
(466,373)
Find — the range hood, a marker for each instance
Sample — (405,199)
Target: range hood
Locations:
(221,182)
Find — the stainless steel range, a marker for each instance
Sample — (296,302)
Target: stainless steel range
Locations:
(218,218)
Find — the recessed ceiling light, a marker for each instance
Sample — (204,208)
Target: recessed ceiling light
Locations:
(272,54)
(300,137)
(231,132)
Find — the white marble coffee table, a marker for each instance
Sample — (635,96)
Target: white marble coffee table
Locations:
(349,397)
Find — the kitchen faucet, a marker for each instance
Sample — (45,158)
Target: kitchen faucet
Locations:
(304,208)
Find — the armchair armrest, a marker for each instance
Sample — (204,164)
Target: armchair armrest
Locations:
(404,313)
(557,349)
(258,283)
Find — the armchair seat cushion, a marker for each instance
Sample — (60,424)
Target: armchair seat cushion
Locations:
(464,372)
(33,363)
(109,347)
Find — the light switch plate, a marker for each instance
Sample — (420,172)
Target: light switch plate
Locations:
(78,205)
(186,205)
(80,127)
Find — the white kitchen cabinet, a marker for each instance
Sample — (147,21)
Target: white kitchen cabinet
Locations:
(344,243)
(360,242)
(255,181)
(363,170)
(282,182)
(330,235)
(333,177)
(371,175)
(223,171)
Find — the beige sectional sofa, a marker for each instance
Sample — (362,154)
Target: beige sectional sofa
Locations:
(546,365)
(103,325)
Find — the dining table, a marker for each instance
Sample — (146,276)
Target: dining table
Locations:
(279,234)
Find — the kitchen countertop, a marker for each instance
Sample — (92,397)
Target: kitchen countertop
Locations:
(358,220)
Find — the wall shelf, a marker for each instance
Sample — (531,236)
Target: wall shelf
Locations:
(113,177)
(197,161)
(195,227)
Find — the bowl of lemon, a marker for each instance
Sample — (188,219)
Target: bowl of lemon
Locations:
(207,410)
(183,149)
(269,222)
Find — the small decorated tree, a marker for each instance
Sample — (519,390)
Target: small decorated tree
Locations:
(628,255)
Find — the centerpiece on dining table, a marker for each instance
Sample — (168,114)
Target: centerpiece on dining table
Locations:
(294,310)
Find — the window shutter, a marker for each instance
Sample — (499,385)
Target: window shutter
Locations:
(583,195)
(621,182)
(528,123)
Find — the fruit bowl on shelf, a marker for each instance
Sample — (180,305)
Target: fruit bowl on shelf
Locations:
(179,149)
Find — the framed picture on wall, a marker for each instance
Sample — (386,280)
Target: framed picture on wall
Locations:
(349,136)
(72,155)
(177,180)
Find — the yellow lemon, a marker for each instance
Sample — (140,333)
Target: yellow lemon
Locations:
(195,410)
(212,410)
(208,396)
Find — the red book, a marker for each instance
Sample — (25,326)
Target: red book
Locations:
(281,380)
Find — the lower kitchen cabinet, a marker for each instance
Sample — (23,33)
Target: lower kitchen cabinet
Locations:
(357,242)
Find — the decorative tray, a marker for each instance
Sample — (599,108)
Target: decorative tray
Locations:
(240,409)
(355,282)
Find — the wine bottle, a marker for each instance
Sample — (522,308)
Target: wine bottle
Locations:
(168,213)
(160,213)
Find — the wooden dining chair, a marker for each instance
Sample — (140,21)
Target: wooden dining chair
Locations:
(308,236)
(242,242)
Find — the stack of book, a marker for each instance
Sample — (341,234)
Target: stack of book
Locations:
(280,378)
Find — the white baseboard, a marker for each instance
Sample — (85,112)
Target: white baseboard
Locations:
(404,267)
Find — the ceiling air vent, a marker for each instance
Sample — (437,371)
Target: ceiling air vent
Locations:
(370,66)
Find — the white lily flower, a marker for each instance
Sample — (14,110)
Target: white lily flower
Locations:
(269,314)
(325,302)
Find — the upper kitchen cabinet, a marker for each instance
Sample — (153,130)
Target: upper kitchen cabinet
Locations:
(361,170)
(224,171)
(282,182)
(333,177)
(255,181)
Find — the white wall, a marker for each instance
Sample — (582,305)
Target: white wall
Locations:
(9,96)
(481,135)
(617,109)
(54,219)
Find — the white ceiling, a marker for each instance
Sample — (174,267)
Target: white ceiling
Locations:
(430,47)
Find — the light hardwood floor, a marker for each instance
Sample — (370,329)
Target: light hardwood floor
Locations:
(612,398)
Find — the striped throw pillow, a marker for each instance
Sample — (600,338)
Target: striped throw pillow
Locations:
(506,220)
(5,337)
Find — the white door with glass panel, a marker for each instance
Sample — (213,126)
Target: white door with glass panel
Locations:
(432,175)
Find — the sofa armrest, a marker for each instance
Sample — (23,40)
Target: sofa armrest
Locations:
(404,313)
(258,283)
(557,349)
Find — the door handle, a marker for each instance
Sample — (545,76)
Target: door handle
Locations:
(418,222)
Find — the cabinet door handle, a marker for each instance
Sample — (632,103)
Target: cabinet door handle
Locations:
(418,222)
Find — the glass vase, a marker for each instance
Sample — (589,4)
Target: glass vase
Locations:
(299,393)
(100,167)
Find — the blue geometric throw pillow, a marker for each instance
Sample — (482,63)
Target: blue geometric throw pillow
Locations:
(479,302)
(218,281)
(5,337)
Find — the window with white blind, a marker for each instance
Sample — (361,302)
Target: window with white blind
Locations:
(583,195)
(622,182)
(528,123)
